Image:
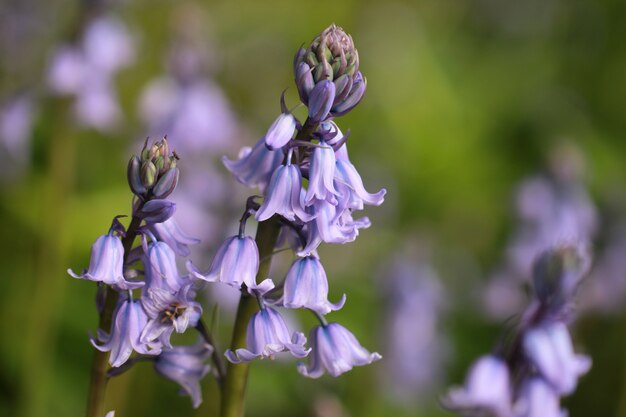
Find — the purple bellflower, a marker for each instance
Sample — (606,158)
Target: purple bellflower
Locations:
(255,165)
(321,175)
(336,351)
(280,132)
(306,286)
(538,399)
(186,366)
(283,195)
(160,268)
(157,211)
(321,100)
(171,233)
(235,263)
(550,349)
(268,335)
(107,263)
(348,176)
(129,319)
(487,390)
(169,312)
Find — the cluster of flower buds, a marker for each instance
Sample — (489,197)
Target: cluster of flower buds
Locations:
(166,303)
(527,378)
(311,188)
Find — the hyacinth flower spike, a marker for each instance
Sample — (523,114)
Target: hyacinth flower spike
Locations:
(267,336)
(335,350)
(186,366)
(306,286)
(235,263)
(107,263)
(129,319)
(487,390)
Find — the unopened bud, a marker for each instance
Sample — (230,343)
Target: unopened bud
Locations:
(557,273)
(134,176)
(157,211)
(321,100)
(166,184)
(148,174)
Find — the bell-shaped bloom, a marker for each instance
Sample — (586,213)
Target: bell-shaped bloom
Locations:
(281,131)
(550,349)
(255,166)
(306,286)
(157,211)
(268,335)
(321,100)
(487,390)
(347,175)
(335,350)
(235,263)
(538,399)
(169,312)
(171,233)
(321,175)
(129,319)
(107,264)
(160,268)
(283,195)
(186,365)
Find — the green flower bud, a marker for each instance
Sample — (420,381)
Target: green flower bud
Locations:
(148,174)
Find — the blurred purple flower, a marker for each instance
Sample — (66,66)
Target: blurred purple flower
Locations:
(172,234)
(336,351)
(538,399)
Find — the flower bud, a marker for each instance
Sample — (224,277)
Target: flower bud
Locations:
(166,184)
(148,174)
(321,100)
(157,211)
(134,176)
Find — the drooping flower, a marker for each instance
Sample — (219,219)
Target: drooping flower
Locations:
(107,263)
(268,335)
(306,286)
(549,348)
(255,166)
(350,184)
(186,365)
(160,268)
(487,390)
(172,234)
(169,312)
(284,195)
(321,175)
(281,131)
(129,319)
(538,399)
(335,350)
(157,211)
(235,263)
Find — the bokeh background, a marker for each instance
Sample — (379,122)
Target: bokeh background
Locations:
(465,101)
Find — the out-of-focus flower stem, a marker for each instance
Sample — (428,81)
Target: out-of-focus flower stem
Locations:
(234,386)
(99,366)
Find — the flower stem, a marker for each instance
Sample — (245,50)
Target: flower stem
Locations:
(99,366)
(234,387)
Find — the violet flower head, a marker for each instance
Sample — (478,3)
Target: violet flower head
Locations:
(186,365)
(550,349)
(256,165)
(321,175)
(236,263)
(160,268)
(267,336)
(284,195)
(172,234)
(107,263)
(487,390)
(336,351)
(306,286)
(280,132)
(169,312)
(129,319)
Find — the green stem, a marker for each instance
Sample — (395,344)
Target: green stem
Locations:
(99,366)
(234,387)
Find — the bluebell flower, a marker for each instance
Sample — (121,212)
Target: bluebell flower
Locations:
(107,263)
(306,286)
(487,390)
(171,233)
(350,184)
(538,399)
(160,268)
(281,131)
(283,195)
(169,312)
(186,365)
(549,348)
(355,96)
(235,263)
(321,175)
(129,319)
(335,350)
(255,166)
(157,211)
(321,100)
(268,335)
